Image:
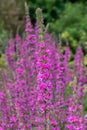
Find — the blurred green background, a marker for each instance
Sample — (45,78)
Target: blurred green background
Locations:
(65,17)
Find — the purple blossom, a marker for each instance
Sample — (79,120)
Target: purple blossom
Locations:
(33,95)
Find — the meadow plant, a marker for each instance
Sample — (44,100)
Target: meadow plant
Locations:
(33,95)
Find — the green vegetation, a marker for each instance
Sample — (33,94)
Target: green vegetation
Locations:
(51,9)
(4,36)
(2,61)
(72,24)
(67,17)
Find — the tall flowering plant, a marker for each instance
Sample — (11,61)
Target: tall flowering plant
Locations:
(33,95)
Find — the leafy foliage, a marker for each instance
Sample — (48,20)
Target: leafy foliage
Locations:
(51,9)
(4,36)
(72,24)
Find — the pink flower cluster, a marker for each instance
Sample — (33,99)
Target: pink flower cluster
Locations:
(35,88)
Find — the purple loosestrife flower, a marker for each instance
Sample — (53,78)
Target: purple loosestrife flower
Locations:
(33,92)
(10,54)
(30,34)
(31,40)
(31,73)
(60,87)
(81,79)
(18,45)
(44,85)
(80,72)
(68,72)
(50,44)
(44,77)
(79,68)
(74,115)
(9,101)
(21,95)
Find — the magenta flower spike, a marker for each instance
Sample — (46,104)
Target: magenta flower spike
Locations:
(34,94)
